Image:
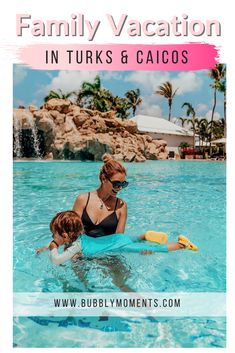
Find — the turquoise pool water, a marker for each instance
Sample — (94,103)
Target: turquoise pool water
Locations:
(178,197)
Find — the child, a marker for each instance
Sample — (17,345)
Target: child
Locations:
(67,228)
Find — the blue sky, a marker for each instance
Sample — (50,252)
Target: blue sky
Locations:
(31,86)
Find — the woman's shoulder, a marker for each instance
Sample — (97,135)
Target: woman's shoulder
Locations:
(121,203)
(82,198)
(81,203)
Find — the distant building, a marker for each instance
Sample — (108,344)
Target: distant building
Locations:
(162,129)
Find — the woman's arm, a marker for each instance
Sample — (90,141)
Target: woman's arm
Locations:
(122,218)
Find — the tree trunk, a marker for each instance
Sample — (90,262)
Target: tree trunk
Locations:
(225,122)
(169,117)
(194,131)
(193,143)
(212,118)
(133,110)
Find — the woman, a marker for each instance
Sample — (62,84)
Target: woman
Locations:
(104,214)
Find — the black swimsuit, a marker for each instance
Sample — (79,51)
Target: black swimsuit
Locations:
(106,227)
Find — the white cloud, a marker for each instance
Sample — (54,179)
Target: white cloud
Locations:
(20,72)
(149,107)
(187,82)
(217,115)
(69,81)
(111,75)
(201,107)
(153,110)
(149,81)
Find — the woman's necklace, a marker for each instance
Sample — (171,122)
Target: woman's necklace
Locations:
(102,202)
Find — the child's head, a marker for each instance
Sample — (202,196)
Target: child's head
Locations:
(68,225)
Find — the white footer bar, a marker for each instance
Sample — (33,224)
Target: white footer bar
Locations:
(120,304)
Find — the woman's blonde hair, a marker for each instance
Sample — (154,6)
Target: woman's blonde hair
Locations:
(110,166)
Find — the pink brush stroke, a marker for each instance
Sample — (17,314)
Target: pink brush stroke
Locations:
(200,56)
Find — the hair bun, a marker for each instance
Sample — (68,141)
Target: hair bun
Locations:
(107,158)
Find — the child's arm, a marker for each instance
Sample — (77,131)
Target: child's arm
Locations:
(43,248)
(59,259)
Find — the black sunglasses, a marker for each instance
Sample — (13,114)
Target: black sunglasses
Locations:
(118,184)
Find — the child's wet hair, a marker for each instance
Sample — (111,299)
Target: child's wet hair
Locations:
(66,222)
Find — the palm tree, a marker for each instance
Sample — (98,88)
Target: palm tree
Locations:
(94,95)
(89,91)
(190,111)
(203,130)
(121,106)
(222,88)
(133,97)
(183,121)
(59,95)
(217,128)
(216,74)
(166,91)
(102,100)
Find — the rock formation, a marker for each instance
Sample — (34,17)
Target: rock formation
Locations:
(67,131)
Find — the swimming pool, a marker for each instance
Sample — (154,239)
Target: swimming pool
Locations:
(178,197)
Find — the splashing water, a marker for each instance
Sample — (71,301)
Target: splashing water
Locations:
(18,127)
(17,132)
